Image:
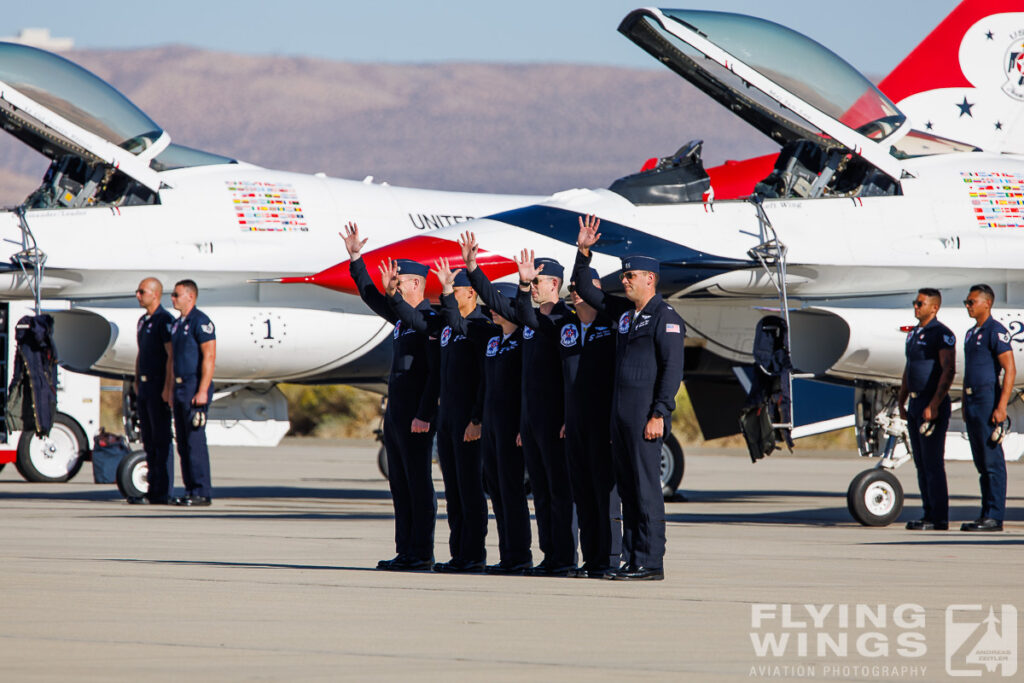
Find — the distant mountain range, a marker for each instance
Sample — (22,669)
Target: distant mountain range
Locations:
(531,129)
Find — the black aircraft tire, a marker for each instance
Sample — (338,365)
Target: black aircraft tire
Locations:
(56,458)
(132,475)
(673,465)
(875,497)
(382,461)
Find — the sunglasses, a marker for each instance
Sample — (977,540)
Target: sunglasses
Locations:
(917,304)
(174,295)
(629,275)
(970,302)
(140,291)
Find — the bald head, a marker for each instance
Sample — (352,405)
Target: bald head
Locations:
(148,294)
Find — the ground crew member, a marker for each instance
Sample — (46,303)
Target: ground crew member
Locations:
(987,352)
(586,341)
(193,356)
(543,413)
(459,416)
(153,391)
(504,468)
(409,420)
(648,371)
(931,363)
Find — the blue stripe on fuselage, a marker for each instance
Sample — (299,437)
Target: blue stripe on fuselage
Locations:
(681,266)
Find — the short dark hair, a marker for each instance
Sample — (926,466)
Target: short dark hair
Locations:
(984,289)
(931,292)
(190,285)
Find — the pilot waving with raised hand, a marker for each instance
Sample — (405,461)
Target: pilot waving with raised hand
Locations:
(409,420)
(459,415)
(931,363)
(648,371)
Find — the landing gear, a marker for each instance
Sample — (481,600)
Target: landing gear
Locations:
(55,458)
(133,475)
(875,497)
(672,465)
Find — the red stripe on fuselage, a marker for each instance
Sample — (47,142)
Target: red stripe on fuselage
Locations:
(422,249)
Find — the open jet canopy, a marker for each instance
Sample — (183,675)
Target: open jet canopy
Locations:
(783,83)
(59,109)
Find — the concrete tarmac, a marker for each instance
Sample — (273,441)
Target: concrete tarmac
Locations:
(276,581)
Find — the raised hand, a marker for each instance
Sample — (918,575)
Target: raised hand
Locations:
(526,269)
(442,269)
(352,242)
(589,235)
(389,276)
(468,243)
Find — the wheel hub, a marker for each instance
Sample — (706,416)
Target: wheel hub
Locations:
(879,498)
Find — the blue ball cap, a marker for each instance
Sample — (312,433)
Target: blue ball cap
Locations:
(641,263)
(593,275)
(461,279)
(552,268)
(506,289)
(410,267)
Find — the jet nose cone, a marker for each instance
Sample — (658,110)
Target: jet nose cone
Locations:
(422,249)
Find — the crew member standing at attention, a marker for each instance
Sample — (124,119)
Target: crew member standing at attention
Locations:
(153,386)
(504,469)
(987,352)
(193,356)
(586,340)
(459,416)
(410,415)
(543,412)
(931,363)
(648,371)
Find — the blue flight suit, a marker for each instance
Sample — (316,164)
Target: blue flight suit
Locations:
(503,464)
(412,394)
(187,334)
(923,371)
(588,355)
(541,422)
(461,402)
(982,347)
(153,333)
(648,372)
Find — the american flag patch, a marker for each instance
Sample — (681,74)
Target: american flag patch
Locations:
(672,327)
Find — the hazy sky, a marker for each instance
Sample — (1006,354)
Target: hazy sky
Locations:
(874,35)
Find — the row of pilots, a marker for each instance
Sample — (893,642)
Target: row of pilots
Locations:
(530,385)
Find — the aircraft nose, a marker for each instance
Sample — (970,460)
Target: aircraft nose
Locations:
(423,249)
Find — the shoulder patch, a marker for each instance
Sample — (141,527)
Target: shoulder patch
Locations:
(949,339)
(569,335)
(446,335)
(492,346)
(528,333)
(207,328)
(1004,337)
(624,323)
(672,327)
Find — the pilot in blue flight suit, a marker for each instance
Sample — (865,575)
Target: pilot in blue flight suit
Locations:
(648,372)
(459,416)
(504,468)
(194,354)
(987,352)
(586,340)
(543,414)
(153,386)
(931,363)
(409,420)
